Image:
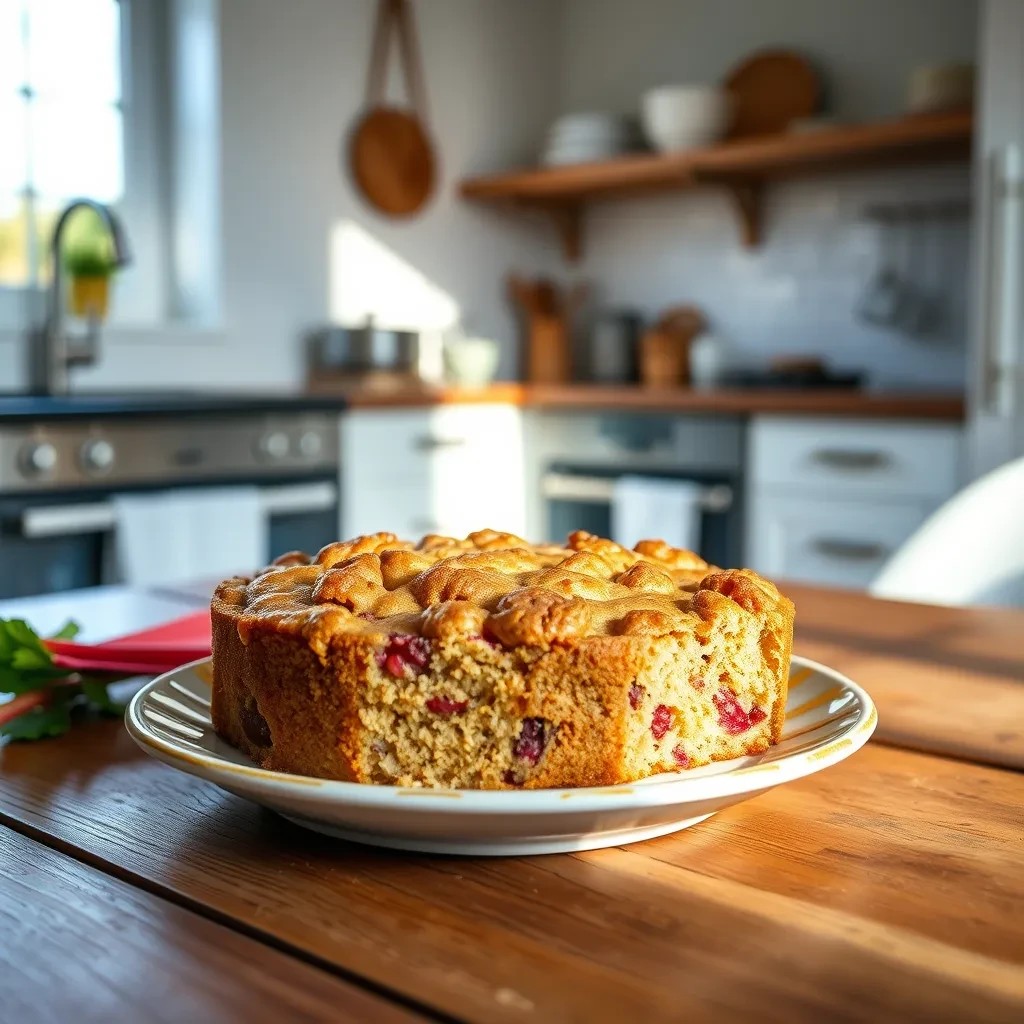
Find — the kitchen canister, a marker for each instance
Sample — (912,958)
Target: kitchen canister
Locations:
(708,361)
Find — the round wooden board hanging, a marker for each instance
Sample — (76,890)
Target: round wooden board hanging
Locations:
(392,161)
(390,154)
(770,89)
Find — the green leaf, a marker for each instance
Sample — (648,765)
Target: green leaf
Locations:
(28,658)
(96,692)
(39,722)
(23,635)
(15,681)
(68,631)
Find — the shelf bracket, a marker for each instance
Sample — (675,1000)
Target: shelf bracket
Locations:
(746,197)
(568,220)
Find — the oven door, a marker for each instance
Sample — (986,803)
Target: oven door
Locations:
(51,543)
(580,498)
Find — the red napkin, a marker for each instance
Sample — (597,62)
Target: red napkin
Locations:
(150,650)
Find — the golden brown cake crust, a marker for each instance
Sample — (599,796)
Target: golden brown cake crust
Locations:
(493,663)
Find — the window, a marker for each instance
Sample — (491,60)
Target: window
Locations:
(61,121)
(116,100)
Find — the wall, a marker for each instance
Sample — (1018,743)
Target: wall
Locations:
(797,293)
(292,83)
(497,71)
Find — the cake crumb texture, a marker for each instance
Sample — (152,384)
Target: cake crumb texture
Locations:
(493,663)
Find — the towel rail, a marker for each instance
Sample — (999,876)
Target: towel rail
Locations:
(99,516)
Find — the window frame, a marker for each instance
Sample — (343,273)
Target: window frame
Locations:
(170,190)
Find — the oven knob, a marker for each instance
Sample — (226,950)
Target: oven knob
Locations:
(38,458)
(311,444)
(273,445)
(96,456)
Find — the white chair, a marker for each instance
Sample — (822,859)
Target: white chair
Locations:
(969,552)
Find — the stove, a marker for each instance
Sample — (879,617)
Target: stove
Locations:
(64,460)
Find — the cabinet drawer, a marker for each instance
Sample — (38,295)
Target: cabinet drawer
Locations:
(839,543)
(384,446)
(855,458)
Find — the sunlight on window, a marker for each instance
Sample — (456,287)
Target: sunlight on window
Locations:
(368,279)
(61,130)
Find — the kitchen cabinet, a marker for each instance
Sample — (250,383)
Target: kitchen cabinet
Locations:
(996,369)
(829,501)
(447,469)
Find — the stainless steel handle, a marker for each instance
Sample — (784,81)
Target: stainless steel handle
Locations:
(433,444)
(849,550)
(67,520)
(1002,318)
(100,516)
(852,459)
(290,498)
(597,490)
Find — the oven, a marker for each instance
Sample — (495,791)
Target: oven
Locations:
(58,482)
(580,498)
(581,457)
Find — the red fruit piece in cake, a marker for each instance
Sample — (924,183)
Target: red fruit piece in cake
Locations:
(404,649)
(442,705)
(636,695)
(532,739)
(680,757)
(731,716)
(661,721)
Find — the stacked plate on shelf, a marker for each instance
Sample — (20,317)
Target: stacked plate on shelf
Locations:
(584,138)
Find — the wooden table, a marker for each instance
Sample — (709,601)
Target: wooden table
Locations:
(890,887)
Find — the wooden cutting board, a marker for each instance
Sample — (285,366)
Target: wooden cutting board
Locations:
(390,154)
(770,89)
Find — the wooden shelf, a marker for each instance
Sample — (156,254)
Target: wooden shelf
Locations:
(741,167)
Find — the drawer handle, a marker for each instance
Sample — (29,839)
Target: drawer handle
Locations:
(843,458)
(426,443)
(849,550)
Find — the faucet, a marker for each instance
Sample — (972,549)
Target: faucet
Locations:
(52,352)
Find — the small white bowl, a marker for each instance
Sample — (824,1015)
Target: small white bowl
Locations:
(677,117)
(471,362)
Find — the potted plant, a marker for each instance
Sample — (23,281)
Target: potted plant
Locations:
(88,260)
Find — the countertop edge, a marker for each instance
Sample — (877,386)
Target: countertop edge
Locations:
(948,407)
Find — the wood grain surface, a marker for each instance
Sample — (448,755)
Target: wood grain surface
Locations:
(80,946)
(618,398)
(946,680)
(878,144)
(888,887)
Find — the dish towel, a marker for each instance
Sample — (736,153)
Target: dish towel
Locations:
(173,536)
(646,508)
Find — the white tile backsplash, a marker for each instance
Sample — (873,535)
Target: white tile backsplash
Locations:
(798,292)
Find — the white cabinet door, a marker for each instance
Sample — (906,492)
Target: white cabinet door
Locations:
(448,469)
(834,542)
(996,400)
(831,500)
(855,458)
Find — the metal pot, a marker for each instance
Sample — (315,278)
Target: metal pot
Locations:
(365,348)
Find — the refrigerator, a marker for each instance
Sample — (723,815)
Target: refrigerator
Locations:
(995,429)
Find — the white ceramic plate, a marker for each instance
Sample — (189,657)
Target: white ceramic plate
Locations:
(828,718)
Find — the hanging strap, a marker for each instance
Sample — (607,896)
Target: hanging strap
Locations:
(395,14)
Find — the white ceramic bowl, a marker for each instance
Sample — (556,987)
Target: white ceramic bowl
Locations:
(471,362)
(679,117)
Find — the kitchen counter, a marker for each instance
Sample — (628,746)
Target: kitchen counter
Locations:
(883,888)
(330,398)
(735,402)
(22,407)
